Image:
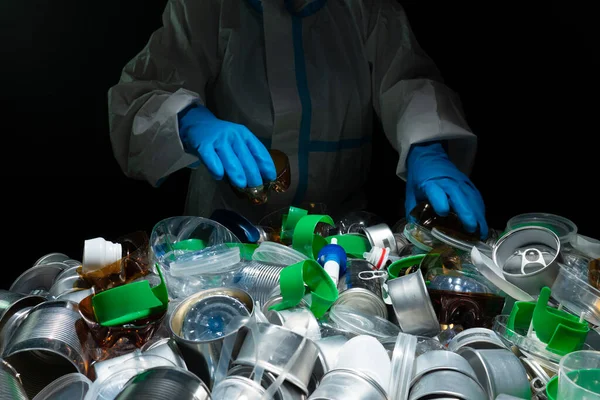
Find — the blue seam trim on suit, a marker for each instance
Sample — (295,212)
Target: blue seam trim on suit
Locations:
(305,122)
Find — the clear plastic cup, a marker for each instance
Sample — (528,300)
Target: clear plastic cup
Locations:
(579,376)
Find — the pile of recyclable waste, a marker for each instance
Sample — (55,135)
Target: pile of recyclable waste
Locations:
(299,306)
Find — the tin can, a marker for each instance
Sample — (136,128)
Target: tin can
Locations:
(365,295)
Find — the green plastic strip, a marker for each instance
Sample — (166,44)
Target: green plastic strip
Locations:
(561,331)
(130,302)
(190,245)
(290,220)
(305,240)
(307,275)
(354,245)
(398,266)
(246,249)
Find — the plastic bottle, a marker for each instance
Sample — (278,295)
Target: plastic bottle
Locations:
(333,259)
(378,256)
(98,253)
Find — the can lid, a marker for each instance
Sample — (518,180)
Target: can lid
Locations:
(364,301)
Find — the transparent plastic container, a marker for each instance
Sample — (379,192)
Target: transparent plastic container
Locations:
(564,228)
(174,237)
(276,253)
(574,293)
(71,386)
(579,376)
(195,254)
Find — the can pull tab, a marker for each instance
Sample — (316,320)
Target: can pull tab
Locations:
(532,259)
(370,275)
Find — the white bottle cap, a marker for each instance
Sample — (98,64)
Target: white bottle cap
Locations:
(333,269)
(98,253)
(378,256)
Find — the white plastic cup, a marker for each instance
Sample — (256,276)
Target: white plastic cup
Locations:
(98,253)
(366,354)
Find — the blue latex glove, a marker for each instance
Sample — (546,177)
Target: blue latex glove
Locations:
(433,177)
(225,148)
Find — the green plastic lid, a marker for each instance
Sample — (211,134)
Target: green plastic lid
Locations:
(354,245)
(130,302)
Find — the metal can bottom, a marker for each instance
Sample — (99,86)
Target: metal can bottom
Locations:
(364,301)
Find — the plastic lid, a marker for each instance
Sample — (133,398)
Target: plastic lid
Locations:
(356,322)
(564,228)
(277,253)
(212,260)
(72,386)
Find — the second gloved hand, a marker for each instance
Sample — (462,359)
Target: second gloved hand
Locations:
(225,148)
(433,177)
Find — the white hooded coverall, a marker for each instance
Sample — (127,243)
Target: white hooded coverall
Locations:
(306,77)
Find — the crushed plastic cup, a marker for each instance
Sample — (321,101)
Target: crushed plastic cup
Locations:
(366,354)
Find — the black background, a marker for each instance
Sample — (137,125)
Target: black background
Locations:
(528,79)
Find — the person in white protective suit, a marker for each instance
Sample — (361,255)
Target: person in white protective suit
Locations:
(223,80)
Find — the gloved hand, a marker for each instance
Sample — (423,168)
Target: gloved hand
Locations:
(225,148)
(433,177)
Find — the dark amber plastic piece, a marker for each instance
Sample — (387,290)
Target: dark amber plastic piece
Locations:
(427,218)
(594,273)
(260,194)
